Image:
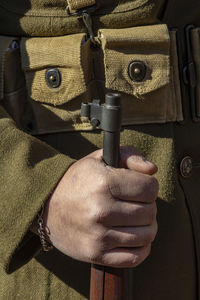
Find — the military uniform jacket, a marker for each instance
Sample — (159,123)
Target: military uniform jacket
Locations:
(47,68)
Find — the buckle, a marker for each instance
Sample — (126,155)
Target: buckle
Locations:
(85,13)
(189,74)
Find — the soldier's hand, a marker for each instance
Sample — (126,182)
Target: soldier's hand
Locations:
(104,215)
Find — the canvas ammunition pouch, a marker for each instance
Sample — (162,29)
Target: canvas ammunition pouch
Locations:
(44,81)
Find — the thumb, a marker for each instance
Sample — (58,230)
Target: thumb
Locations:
(132,159)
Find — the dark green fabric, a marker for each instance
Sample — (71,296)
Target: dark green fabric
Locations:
(32,166)
(167,260)
(49,18)
(30,171)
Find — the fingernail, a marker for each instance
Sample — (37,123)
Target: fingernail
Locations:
(146,161)
(149,163)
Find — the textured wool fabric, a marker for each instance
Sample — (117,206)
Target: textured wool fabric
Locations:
(31,166)
(38,54)
(70,279)
(156,99)
(50,18)
(23,161)
(150,44)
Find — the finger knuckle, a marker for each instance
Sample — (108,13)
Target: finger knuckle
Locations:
(100,214)
(153,188)
(141,256)
(95,252)
(87,163)
(94,256)
(137,258)
(102,183)
(115,189)
(101,237)
(104,216)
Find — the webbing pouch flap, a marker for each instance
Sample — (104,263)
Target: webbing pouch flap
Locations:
(151,98)
(62,53)
(150,45)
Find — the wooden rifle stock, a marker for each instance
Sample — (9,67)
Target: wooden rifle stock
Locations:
(108,283)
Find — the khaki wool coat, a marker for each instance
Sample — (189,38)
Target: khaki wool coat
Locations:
(42,133)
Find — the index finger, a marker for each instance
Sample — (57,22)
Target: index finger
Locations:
(130,185)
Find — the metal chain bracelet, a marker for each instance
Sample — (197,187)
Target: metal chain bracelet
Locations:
(43,234)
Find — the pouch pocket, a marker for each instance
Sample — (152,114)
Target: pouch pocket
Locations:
(86,74)
(153,98)
(56,107)
(63,53)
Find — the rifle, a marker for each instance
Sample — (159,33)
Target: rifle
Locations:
(108,283)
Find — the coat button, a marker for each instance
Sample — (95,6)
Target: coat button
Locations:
(186,167)
(137,70)
(53,78)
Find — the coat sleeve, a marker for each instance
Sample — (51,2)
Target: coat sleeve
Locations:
(30,170)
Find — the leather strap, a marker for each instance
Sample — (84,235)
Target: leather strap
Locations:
(75,5)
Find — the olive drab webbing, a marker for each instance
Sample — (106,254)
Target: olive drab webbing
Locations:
(75,5)
(84,8)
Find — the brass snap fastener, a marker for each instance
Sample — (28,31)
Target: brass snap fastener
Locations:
(186,167)
(53,78)
(137,70)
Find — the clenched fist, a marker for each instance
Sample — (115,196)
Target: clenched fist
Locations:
(104,215)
